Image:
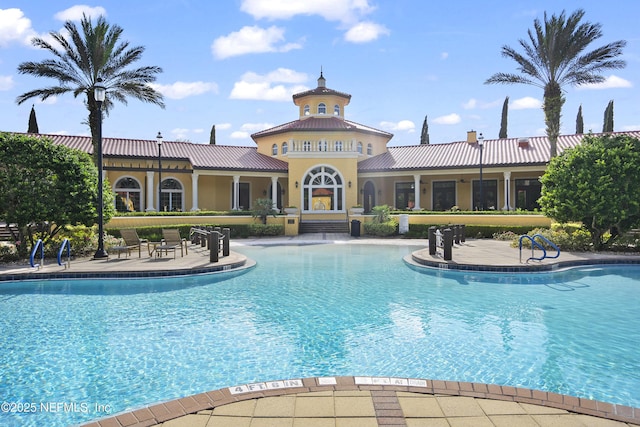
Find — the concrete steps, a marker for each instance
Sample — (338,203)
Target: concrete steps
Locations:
(323,227)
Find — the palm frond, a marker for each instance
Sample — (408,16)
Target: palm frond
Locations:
(88,52)
(42,93)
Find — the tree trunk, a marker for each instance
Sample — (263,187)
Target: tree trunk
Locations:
(553,101)
(94,122)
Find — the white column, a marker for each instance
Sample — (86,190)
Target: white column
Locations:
(274,191)
(416,192)
(236,189)
(150,192)
(194,192)
(507,192)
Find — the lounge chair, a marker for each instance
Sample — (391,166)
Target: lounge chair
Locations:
(171,239)
(131,241)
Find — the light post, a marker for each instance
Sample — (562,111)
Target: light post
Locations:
(481,144)
(99,94)
(159,141)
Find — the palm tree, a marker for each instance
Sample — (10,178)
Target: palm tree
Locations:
(553,57)
(85,57)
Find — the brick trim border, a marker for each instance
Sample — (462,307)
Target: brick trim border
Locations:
(159,413)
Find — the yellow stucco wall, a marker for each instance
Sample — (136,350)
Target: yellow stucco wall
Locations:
(292,229)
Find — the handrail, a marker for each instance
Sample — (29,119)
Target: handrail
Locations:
(535,245)
(40,245)
(550,243)
(67,244)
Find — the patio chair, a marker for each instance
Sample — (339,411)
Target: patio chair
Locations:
(131,241)
(171,239)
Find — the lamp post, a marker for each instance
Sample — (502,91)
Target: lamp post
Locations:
(481,144)
(99,94)
(159,141)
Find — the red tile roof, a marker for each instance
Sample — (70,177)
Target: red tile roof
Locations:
(321,124)
(321,91)
(456,155)
(201,156)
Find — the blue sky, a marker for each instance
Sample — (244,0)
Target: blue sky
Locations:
(236,63)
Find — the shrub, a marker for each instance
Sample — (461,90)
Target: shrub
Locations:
(381,214)
(266,230)
(576,240)
(385,229)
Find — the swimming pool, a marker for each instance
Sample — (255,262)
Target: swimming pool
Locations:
(103,347)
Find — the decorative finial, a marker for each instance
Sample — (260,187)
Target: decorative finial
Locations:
(321,79)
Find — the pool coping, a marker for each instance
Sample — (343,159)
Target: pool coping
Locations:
(161,412)
(417,259)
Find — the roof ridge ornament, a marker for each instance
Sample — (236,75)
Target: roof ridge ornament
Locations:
(322,82)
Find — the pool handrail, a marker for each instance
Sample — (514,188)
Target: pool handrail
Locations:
(39,245)
(550,243)
(67,244)
(535,245)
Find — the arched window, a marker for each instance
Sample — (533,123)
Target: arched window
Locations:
(274,150)
(172,195)
(338,145)
(285,148)
(369,149)
(306,110)
(323,190)
(306,146)
(322,108)
(336,110)
(128,194)
(359,147)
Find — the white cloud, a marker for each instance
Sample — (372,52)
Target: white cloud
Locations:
(256,127)
(239,135)
(364,32)
(284,75)
(6,82)
(470,104)
(179,133)
(402,125)
(262,87)
(248,128)
(15,27)
(74,13)
(252,40)
(630,128)
(473,103)
(331,10)
(444,55)
(180,90)
(348,12)
(610,82)
(450,119)
(223,126)
(525,103)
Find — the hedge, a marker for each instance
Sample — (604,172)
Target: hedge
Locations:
(471,231)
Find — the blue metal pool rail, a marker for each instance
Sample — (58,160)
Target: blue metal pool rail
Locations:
(38,245)
(535,245)
(65,243)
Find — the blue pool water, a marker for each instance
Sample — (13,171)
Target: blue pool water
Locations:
(87,349)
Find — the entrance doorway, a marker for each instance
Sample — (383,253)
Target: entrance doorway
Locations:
(368,196)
